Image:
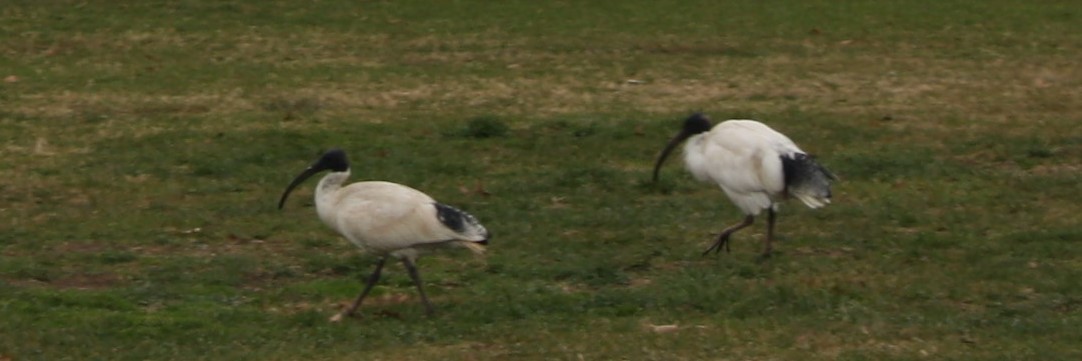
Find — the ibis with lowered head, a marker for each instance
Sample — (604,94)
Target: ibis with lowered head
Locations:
(756,166)
(387,220)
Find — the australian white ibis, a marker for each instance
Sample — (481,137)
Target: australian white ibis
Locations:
(756,166)
(386,219)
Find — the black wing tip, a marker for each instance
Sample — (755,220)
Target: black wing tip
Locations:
(454,218)
(795,166)
(815,159)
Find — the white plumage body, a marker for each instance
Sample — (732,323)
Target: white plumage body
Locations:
(743,157)
(386,218)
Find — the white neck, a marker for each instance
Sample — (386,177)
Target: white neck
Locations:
(694,159)
(326,202)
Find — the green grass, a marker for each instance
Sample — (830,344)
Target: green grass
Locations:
(145,146)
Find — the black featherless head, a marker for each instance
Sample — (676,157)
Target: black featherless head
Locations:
(333,160)
(697,123)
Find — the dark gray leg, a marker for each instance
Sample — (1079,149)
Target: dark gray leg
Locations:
(770,215)
(417,281)
(372,279)
(723,238)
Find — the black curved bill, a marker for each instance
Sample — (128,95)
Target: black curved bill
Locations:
(308,173)
(680,137)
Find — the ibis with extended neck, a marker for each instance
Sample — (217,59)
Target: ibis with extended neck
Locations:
(387,220)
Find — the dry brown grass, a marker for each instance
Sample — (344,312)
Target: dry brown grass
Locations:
(922,92)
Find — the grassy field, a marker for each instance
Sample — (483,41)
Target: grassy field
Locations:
(145,144)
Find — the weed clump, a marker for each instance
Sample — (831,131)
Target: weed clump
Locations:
(485,127)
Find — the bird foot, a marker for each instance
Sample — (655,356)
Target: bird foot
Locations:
(723,241)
